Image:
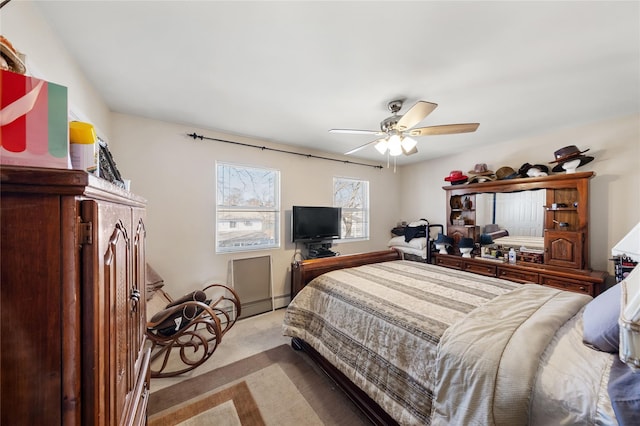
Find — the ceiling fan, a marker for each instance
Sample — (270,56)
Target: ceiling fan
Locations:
(396,132)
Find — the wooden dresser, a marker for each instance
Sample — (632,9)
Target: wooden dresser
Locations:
(565,229)
(579,281)
(72,300)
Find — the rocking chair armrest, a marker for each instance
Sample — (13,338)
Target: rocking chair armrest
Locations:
(233,298)
(224,287)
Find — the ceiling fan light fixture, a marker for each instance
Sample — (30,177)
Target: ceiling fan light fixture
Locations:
(381,146)
(395,145)
(408,144)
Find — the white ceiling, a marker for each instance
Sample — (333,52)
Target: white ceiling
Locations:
(289,71)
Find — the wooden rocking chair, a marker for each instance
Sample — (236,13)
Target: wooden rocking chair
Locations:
(184,333)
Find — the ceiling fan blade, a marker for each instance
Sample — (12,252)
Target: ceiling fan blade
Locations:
(361,147)
(444,129)
(357,132)
(416,114)
(412,151)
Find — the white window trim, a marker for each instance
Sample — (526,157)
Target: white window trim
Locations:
(277,210)
(366,210)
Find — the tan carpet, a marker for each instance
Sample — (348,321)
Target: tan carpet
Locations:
(276,387)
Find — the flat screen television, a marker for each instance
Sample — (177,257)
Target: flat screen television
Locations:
(315,223)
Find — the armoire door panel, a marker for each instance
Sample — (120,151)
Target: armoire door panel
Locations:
(30,329)
(111,282)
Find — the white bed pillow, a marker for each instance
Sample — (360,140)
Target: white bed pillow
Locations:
(416,243)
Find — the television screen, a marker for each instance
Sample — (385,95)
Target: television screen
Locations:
(315,223)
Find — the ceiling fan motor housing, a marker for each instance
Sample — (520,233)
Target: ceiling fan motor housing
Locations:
(390,123)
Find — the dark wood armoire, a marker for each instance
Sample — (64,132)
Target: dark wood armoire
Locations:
(72,300)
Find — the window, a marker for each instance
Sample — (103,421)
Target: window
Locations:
(353,196)
(247,208)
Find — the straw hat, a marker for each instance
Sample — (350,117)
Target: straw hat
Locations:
(10,55)
(506,172)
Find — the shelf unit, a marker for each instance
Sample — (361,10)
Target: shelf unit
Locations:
(566,230)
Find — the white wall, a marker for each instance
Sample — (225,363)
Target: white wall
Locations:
(614,191)
(23,25)
(176,173)
(177,176)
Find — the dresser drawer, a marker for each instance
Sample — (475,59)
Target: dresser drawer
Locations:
(449,262)
(565,284)
(517,275)
(481,269)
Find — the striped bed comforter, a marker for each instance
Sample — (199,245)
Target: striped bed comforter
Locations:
(380,324)
(433,345)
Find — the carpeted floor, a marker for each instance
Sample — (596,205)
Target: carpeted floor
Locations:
(279,386)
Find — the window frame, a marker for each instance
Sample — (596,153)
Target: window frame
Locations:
(366,210)
(220,208)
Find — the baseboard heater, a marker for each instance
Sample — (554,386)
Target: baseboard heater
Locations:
(251,279)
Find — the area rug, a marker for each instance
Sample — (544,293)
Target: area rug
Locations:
(280,386)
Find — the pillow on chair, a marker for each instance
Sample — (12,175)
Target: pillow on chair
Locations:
(180,318)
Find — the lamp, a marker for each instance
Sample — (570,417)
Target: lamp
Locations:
(629,245)
(629,319)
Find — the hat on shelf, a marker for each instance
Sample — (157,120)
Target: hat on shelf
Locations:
(506,172)
(466,243)
(481,170)
(443,239)
(456,177)
(528,170)
(485,240)
(11,57)
(479,178)
(481,173)
(569,153)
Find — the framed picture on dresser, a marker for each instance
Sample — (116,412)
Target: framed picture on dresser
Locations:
(107,166)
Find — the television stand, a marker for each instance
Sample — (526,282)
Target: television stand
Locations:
(319,250)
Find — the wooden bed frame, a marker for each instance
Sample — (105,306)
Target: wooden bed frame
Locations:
(302,272)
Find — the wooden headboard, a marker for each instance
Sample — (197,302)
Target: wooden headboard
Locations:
(303,271)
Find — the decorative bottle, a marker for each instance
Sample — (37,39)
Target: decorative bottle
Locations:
(512,256)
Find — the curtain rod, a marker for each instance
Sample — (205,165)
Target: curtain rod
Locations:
(195,136)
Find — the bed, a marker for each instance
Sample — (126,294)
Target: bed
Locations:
(414,240)
(413,343)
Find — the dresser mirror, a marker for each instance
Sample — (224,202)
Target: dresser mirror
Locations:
(521,214)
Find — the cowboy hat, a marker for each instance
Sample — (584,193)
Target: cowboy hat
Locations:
(584,159)
(567,153)
(480,169)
